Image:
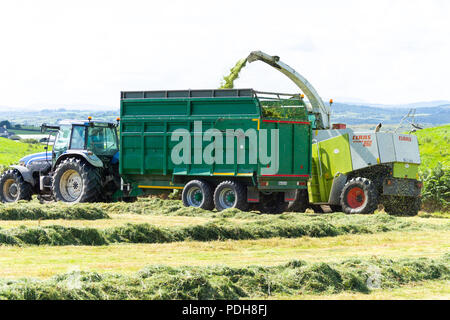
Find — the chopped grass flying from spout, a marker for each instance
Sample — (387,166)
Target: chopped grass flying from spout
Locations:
(228,81)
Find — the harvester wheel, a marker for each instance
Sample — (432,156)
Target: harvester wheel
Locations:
(230,194)
(13,188)
(198,193)
(272,203)
(76,181)
(300,203)
(402,206)
(359,195)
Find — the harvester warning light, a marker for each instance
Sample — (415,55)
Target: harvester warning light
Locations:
(89,118)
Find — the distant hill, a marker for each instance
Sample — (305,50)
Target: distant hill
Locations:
(424,104)
(427,113)
(363,114)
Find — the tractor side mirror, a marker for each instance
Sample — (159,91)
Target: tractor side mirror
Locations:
(44,128)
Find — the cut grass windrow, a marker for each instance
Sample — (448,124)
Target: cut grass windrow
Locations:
(35,211)
(151,206)
(219,282)
(283,226)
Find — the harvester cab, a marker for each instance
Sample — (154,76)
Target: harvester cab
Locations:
(354,170)
(81,167)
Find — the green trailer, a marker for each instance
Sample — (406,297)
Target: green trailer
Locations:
(227,148)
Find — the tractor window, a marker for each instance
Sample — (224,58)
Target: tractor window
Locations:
(62,141)
(78,137)
(102,140)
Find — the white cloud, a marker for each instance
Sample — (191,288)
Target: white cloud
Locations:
(86,52)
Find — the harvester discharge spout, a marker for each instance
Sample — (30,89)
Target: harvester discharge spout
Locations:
(317,107)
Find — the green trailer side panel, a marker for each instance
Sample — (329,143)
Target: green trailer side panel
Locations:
(294,147)
(333,157)
(147,127)
(147,141)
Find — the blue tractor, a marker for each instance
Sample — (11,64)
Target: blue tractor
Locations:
(81,167)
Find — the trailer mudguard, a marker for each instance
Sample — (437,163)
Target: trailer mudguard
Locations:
(26,174)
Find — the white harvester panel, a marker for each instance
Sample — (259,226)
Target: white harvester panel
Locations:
(363,149)
(386,147)
(406,148)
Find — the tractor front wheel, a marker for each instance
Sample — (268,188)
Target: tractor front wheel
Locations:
(76,181)
(359,195)
(13,188)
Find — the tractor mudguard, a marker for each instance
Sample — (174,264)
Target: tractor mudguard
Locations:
(90,158)
(26,174)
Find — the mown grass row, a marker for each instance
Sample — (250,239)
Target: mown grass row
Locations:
(148,206)
(220,282)
(284,226)
(36,211)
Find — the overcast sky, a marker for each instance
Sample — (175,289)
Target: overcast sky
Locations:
(81,53)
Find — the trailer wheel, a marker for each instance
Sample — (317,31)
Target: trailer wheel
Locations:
(198,193)
(230,194)
(76,181)
(272,203)
(359,195)
(402,206)
(13,188)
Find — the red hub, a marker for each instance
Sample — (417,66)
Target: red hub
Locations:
(356,197)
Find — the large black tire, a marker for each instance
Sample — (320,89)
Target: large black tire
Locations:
(76,181)
(13,188)
(300,204)
(359,195)
(198,193)
(272,203)
(230,194)
(402,206)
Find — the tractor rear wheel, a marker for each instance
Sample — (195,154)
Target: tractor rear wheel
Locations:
(76,181)
(230,194)
(198,193)
(359,195)
(402,206)
(13,188)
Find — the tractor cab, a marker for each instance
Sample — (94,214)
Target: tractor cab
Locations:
(97,140)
